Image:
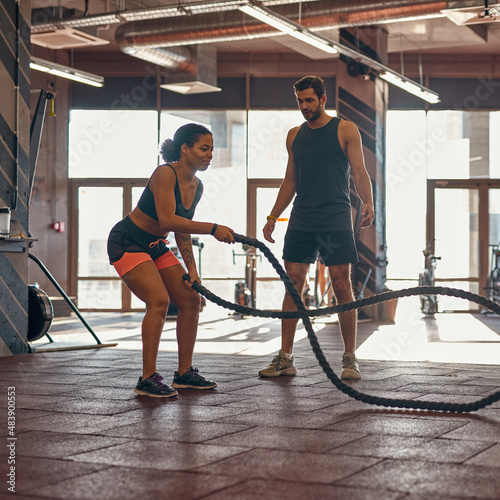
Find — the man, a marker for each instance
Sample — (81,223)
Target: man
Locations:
(322,153)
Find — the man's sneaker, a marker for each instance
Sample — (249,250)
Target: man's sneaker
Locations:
(154,387)
(350,367)
(280,365)
(192,380)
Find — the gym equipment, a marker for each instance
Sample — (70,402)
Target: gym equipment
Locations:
(244,291)
(493,282)
(304,314)
(428,303)
(40,310)
(73,307)
(40,313)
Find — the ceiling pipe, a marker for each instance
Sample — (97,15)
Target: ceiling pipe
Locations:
(43,19)
(317,16)
(178,58)
(154,36)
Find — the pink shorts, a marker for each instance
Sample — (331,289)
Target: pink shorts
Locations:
(129,246)
(133,259)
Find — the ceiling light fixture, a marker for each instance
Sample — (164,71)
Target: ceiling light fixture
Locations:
(194,87)
(410,86)
(66,72)
(290,27)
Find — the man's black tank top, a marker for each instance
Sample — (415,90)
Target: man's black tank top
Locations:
(322,171)
(147,201)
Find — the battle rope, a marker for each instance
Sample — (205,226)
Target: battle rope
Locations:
(304,315)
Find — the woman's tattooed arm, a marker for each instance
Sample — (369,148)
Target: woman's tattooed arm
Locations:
(185,247)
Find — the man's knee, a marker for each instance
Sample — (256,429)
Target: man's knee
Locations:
(297,273)
(342,289)
(298,281)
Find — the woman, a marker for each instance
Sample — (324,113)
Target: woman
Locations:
(138,250)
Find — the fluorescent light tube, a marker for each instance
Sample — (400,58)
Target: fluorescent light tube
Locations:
(75,77)
(315,42)
(289,27)
(66,72)
(39,67)
(410,87)
(267,18)
(298,31)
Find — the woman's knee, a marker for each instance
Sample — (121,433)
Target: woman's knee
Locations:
(158,305)
(190,303)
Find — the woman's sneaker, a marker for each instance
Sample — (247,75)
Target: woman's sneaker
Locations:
(192,380)
(154,387)
(350,367)
(280,365)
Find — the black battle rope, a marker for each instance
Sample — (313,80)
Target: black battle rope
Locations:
(304,315)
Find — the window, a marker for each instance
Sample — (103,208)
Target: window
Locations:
(224,194)
(406,163)
(112,144)
(449,144)
(267,132)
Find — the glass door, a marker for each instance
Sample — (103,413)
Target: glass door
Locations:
(457,243)
(95,289)
(494,216)
(268,287)
(99,204)
(463,221)
(493,281)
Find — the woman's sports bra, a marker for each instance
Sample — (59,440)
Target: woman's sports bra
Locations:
(147,201)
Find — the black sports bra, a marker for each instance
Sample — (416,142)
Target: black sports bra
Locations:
(147,201)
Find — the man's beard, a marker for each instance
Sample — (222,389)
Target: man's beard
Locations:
(315,114)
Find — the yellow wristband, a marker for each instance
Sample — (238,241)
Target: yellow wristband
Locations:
(272,217)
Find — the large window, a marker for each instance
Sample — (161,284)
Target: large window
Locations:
(494,144)
(250,145)
(112,144)
(406,160)
(451,144)
(267,132)
(106,146)
(224,195)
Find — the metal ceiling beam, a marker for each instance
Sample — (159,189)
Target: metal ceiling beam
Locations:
(43,21)
(233,26)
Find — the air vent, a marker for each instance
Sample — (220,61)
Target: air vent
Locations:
(202,77)
(65,38)
(466,16)
(195,87)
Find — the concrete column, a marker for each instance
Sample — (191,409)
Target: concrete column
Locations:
(362,99)
(14,171)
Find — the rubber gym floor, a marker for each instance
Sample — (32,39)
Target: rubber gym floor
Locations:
(81,432)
